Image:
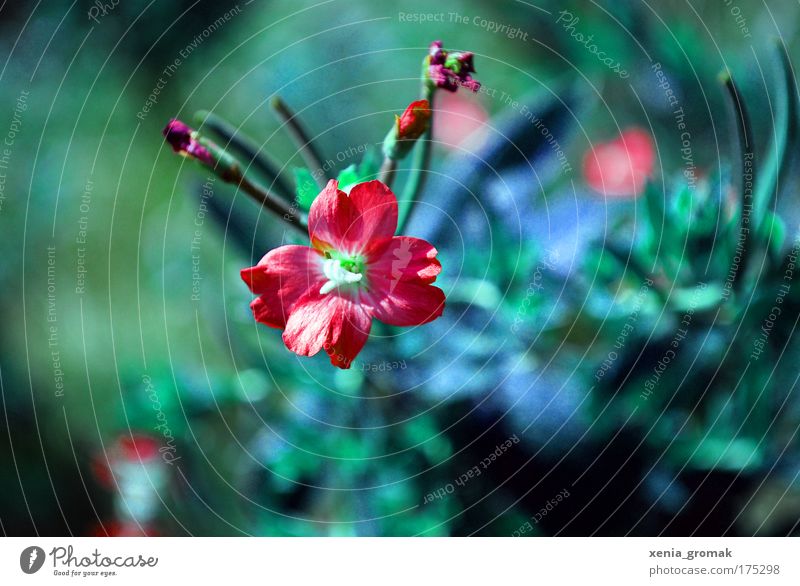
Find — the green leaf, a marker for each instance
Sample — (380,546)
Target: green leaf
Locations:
(682,204)
(348,177)
(786,115)
(603,266)
(305,187)
(654,202)
(773,233)
(723,453)
(699,298)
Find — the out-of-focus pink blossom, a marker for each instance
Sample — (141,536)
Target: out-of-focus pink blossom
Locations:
(459,121)
(621,167)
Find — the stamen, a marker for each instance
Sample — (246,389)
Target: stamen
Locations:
(337,275)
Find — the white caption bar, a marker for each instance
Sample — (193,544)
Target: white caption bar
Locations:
(385,561)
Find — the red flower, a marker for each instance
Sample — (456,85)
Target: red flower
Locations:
(461,122)
(137,447)
(127,449)
(414,121)
(620,167)
(325,296)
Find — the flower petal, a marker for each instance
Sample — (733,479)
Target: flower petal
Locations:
(407,303)
(337,324)
(356,323)
(377,206)
(309,326)
(353,224)
(405,259)
(270,314)
(333,221)
(281,278)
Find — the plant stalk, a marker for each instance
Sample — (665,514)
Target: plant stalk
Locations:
(299,136)
(419,169)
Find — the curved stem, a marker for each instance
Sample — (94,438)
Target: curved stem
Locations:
(785,120)
(387,171)
(300,137)
(289,214)
(748,170)
(247,148)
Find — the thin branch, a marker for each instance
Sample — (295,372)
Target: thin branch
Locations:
(289,214)
(248,149)
(387,171)
(300,137)
(748,169)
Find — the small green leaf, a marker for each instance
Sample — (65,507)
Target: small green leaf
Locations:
(723,453)
(682,204)
(305,187)
(603,265)
(700,298)
(348,177)
(654,200)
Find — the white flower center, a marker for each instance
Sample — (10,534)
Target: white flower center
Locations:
(337,276)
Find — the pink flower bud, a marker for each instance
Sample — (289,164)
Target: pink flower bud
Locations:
(450,70)
(183,140)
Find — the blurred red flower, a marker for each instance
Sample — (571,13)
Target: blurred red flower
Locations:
(133,468)
(620,167)
(460,121)
(122,529)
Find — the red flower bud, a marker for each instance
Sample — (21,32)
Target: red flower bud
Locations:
(414,121)
(183,141)
(186,141)
(450,70)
